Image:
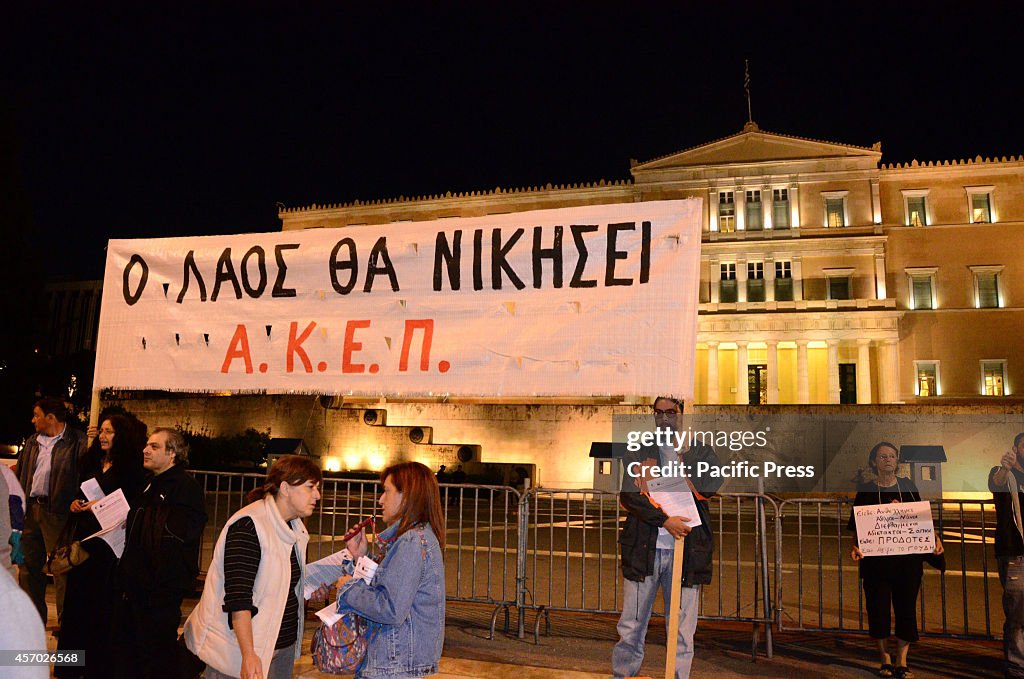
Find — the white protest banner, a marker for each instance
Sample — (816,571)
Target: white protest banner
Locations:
(896,528)
(574,301)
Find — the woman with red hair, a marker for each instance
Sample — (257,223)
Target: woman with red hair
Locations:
(404,602)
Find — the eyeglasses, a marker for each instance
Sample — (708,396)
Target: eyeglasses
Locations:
(665,413)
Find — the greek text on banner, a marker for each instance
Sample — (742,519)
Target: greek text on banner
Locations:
(575,301)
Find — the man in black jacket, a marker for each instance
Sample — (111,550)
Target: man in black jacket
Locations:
(160,560)
(647,542)
(48,472)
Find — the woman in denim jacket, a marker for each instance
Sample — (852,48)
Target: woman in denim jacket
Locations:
(404,602)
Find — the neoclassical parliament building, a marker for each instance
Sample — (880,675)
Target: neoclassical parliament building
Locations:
(827,275)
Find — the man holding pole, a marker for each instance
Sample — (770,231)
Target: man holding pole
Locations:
(662,552)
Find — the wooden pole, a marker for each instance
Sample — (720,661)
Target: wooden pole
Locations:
(673,610)
(94,411)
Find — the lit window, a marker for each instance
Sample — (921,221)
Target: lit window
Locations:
(838,287)
(927,378)
(605,468)
(928,472)
(986,286)
(835,208)
(783,282)
(755,281)
(753,211)
(917,208)
(727,290)
(993,378)
(726,212)
(780,208)
(979,204)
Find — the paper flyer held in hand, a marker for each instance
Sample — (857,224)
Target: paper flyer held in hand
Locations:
(675,498)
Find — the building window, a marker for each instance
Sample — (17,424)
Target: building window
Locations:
(928,472)
(726,212)
(927,378)
(727,291)
(755,281)
(837,283)
(783,282)
(752,211)
(993,378)
(780,208)
(980,205)
(986,286)
(915,202)
(835,208)
(922,287)
(606,468)
(839,287)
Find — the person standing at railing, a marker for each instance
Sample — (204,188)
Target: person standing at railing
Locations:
(1006,482)
(889,581)
(648,539)
(248,623)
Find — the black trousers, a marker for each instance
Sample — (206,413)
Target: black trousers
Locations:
(897,589)
(148,631)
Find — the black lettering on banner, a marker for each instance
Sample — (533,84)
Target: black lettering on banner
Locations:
(645,253)
(613,254)
(581,264)
(282,270)
(187,267)
(225,273)
(554,253)
(129,297)
(351,264)
(261,266)
(499,262)
(478,256)
(451,256)
(380,253)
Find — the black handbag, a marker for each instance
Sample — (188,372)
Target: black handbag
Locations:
(936,561)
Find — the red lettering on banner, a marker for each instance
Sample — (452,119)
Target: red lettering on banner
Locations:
(295,347)
(238,348)
(427,326)
(351,346)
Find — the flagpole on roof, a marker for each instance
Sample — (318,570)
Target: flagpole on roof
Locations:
(746,89)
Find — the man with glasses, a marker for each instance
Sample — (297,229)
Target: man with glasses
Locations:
(648,539)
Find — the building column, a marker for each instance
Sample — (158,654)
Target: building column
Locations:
(712,372)
(742,387)
(879,275)
(803,389)
(798,279)
(769,279)
(833,371)
(740,201)
(794,206)
(888,372)
(876,202)
(715,278)
(863,371)
(773,372)
(766,207)
(741,280)
(713,209)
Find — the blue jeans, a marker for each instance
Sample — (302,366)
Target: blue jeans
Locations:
(1011,576)
(638,602)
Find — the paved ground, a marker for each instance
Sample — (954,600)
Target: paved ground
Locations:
(579,647)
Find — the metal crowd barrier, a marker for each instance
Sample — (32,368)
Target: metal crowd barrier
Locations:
(820,590)
(777,565)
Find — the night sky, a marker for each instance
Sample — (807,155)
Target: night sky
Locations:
(198,118)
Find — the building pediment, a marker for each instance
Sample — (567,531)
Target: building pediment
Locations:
(755,146)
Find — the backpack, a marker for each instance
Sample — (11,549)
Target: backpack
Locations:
(340,648)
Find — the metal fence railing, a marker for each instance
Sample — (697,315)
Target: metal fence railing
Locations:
(820,588)
(777,565)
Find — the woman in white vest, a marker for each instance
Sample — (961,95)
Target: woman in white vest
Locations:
(248,623)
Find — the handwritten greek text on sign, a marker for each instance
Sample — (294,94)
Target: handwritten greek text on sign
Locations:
(575,301)
(897,528)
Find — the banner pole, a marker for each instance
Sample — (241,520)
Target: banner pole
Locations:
(673,609)
(94,411)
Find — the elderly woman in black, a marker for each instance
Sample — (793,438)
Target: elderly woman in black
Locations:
(889,580)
